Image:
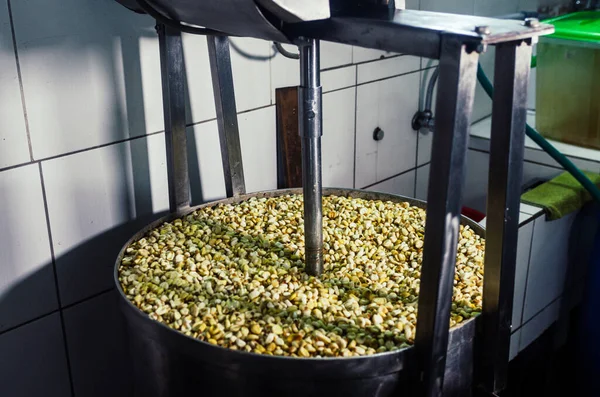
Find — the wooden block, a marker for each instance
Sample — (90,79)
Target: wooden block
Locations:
(289,151)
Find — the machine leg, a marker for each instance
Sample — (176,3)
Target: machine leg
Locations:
(172,73)
(456,90)
(311,129)
(229,136)
(504,193)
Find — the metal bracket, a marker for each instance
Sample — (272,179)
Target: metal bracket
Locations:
(227,121)
(507,147)
(456,91)
(173,79)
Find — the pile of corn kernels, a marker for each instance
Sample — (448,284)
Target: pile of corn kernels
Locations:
(233,275)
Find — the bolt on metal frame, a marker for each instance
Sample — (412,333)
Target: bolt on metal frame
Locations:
(457,43)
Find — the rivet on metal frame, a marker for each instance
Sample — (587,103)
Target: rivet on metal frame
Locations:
(483,30)
(532,22)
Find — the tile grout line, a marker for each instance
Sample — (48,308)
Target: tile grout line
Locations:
(394,176)
(20,78)
(87,298)
(381,58)
(103,145)
(70,305)
(14,327)
(56,285)
(387,77)
(535,149)
(526,161)
(538,313)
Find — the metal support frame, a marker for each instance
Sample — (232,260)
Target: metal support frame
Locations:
(311,129)
(504,192)
(173,83)
(456,91)
(229,136)
(458,53)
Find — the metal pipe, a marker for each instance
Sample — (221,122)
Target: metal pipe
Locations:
(456,92)
(173,78)
(311,130)
(430,88)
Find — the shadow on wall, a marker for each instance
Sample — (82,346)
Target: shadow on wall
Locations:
(93,35)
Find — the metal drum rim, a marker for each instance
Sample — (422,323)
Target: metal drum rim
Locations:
(398,355)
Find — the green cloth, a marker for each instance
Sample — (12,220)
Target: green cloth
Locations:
(561,195)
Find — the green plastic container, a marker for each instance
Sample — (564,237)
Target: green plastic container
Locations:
(568,80)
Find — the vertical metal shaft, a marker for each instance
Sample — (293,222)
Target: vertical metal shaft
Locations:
(173,80)
(504,193)
(229,135)
(311,130)
(456,90)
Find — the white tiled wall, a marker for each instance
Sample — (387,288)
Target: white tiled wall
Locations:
(24,249)
(34,361)
(13,140)
(82,164)
(390,105)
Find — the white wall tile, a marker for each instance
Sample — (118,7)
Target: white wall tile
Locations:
(424,147)
(522,265)
(482,107)
(81,75)
(428,63)
(259,156)
(530,209)
(361,54)
(90,74)
(388,67)
(403,185)
(207,182)
(476,183)
(515,340)
(524,217)
(334,54)
(528,5)
(285,72)
(548,265)
(336,79)
(495,8)
(338,138)
(27,286)
(93,199)
(34,361)
(259,149)
(425,136)
(452,6)
(422,184)
(412,4)
(390,105)
(583,158)
(98,348)
(531,89)
(533,171)
(13,137)
(199,93)
(538,324)
(250,76)
(539,156)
